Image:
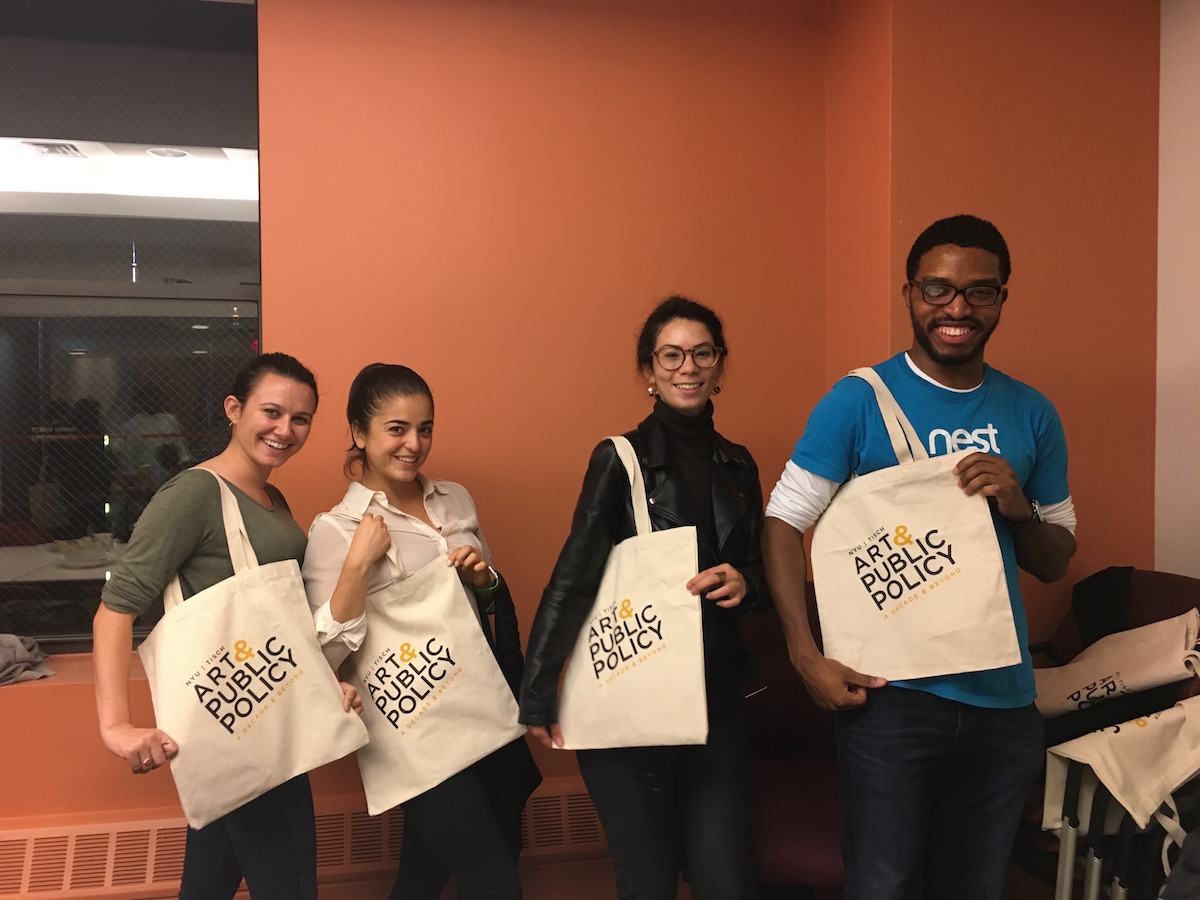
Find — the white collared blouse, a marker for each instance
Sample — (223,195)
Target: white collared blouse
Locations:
(448,506)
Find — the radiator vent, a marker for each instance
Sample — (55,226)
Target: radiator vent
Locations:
(331,841)
(168,854)
(141,859)
(583,827)
(49,863)
(12,865)
(129,863)
(89,861)
(366,838)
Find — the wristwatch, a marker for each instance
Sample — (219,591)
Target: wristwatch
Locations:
(1035,517)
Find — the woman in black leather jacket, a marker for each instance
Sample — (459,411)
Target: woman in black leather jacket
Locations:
(653,801)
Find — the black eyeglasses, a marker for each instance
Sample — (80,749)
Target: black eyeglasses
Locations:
(938,293)
(671,357)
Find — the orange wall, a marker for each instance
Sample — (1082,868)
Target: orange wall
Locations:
(1050,118)
(498,193)
(858,184)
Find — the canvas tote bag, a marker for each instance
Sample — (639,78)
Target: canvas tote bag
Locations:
(1122,663)
(1141,762)
(435,700)
(636,675)
(907,569)
(238,679)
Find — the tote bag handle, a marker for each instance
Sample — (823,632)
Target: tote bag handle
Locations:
(637,487)
(241,553)
(905,443)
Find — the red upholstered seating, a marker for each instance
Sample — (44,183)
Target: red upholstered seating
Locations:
(796,803)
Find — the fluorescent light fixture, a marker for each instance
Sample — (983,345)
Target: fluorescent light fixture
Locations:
(200,328)
(93,178)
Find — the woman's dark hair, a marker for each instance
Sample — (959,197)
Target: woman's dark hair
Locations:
(371,388)
(676,307)
(252,373)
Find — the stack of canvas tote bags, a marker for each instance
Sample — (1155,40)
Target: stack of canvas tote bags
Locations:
(636,674)
(907,569)
(239,681)
(435,698)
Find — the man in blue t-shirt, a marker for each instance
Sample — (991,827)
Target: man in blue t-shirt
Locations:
(934,771)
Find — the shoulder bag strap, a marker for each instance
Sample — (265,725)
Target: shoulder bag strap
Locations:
(241,554)
(905,443)
(637,487)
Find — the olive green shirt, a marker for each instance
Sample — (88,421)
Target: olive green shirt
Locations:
(181,530)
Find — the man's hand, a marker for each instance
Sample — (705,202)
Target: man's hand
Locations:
(993,476)
(1042,550)
(834,686)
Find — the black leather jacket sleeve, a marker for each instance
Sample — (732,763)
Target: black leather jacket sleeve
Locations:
(758,597)
(603,517)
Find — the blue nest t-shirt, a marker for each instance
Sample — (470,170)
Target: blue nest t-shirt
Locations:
(845,435)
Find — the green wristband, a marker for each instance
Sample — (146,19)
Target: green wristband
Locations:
(493,587)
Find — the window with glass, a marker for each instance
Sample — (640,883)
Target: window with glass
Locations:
(129,279)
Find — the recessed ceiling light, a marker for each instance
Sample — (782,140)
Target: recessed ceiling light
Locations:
(168,152)
(200,328)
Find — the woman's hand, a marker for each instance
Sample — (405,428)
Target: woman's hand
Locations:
(722,584)
(351,699)
(472,567)
(370,542)
(549,736)
(143,749)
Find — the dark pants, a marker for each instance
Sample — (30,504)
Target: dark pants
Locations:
(933,791)
(272,841)
(663,807)
(468,826)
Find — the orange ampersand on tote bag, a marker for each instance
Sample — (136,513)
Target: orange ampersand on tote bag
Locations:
(636,675)
(238,679)
(907,569)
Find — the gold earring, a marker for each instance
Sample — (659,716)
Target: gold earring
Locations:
(651,391)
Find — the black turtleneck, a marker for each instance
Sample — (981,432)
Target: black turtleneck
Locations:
(691,442)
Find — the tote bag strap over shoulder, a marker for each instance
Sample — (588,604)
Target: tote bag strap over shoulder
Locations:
(637,487)
(905,443)
(241,554)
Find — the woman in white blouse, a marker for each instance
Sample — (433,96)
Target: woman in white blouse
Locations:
(469,825)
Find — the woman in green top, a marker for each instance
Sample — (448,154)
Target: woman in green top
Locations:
(271,841)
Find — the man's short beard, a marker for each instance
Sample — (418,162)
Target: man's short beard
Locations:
(947,359)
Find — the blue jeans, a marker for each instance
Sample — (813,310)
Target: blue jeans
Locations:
(272,841)
(933,790)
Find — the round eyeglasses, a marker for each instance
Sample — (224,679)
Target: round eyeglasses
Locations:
(938,293)
(671,357)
